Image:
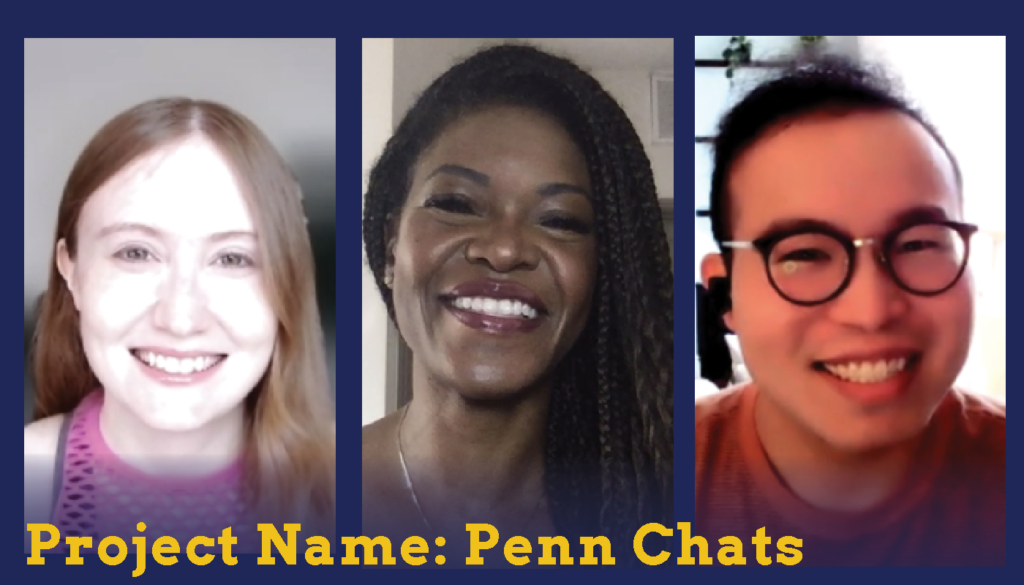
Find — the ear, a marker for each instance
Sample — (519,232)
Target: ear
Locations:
(715,278)
(66,268)
(712,266)
(390,239)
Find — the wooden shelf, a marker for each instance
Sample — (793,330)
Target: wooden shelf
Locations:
(722,63)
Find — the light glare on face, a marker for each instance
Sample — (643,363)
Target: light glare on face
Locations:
(859,172)
(167,258)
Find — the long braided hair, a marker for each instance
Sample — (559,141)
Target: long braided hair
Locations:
(608,443)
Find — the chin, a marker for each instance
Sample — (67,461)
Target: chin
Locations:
(875,435)
(179,409)
(175,415)
(176,422)
(488,383)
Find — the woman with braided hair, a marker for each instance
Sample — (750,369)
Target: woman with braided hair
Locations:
(513,229)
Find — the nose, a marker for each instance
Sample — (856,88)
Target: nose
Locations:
(181,307)
(503,246)
(873,301)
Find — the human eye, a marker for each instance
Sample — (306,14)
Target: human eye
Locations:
(134,254)
(807,249)
(925,239)
(565,223)
(450,203)
(234,260)
(805,255)
(918,246)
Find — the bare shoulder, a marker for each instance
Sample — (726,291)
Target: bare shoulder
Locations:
(380,470)
(42,435)
(380,440)
(380,436)
(41,438)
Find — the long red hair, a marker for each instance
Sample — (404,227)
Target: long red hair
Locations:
(290,443)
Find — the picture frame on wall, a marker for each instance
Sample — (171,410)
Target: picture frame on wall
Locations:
(663,108)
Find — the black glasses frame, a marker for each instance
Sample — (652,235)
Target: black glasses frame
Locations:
(766,245)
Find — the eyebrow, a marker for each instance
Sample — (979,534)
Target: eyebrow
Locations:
(914,215)
(151,231)
(461,172)
(545,190)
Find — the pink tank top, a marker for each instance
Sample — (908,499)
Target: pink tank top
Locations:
(100,495)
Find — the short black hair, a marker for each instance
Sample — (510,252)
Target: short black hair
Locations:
(608,443)
(808,86)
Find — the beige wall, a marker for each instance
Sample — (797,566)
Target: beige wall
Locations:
(419,61)
(632,89)
(378,64)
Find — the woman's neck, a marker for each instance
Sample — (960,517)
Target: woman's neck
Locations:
(195,452)
(822,476)
(471,461)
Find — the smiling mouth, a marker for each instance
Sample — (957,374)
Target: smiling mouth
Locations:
(495,315)
(493,307)
(177,366)
(869,372)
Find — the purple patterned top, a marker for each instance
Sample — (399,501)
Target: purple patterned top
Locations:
(101,495)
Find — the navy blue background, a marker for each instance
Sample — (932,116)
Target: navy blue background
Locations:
(349,23)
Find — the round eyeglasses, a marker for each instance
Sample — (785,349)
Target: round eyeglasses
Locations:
(812,266)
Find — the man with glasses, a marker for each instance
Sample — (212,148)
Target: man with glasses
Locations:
(843,272)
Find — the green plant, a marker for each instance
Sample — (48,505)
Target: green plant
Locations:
(737,54)
(811,47)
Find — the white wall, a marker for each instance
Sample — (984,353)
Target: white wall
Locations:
(960,83)
(378,65)
(766,47)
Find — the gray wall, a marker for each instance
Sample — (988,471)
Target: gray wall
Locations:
(72,87)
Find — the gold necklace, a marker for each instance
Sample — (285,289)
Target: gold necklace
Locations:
(412,489)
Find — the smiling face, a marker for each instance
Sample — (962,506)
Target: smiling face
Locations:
(858,173)
(494,258)
(167,279)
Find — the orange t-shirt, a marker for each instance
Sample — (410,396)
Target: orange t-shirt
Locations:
(951,511)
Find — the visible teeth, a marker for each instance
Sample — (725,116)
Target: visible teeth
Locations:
(496,307)
(868,372)
(181,366)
